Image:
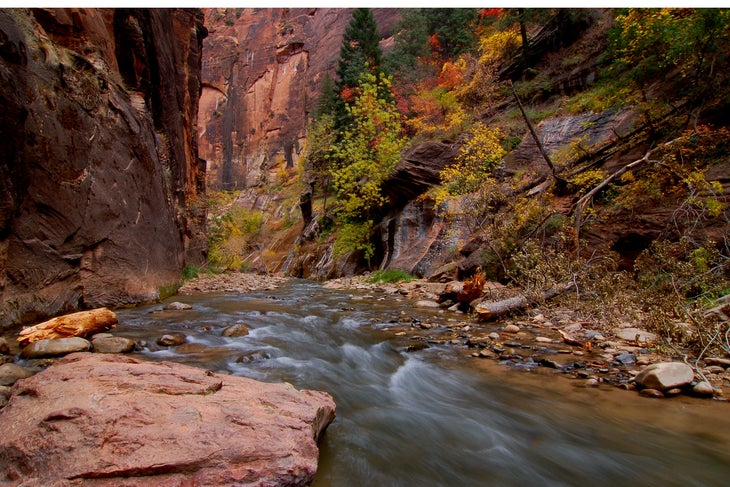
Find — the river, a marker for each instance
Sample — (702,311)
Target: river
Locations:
(434,417)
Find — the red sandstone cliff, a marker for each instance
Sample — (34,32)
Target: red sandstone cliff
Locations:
(262,70)
(99,172)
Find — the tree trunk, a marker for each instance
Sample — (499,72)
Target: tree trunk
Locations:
(494,309)
(81,324)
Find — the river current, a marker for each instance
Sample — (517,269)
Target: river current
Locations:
(432,417)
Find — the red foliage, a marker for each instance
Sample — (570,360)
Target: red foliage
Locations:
(491,12)
(348,94)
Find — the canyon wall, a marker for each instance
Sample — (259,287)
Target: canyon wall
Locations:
(262,72)
(100,179)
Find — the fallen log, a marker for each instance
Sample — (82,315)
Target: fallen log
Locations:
(491,310)
(81,324)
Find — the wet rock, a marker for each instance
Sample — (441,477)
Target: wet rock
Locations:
(625,358)
(253,357)
(413,346)
(543,340)
(511,328)
(176,306)
(665,375)
(4,347)
(486,354)
(173,425)
(424,303)
(55,348)
(636,335)
(592,382)
(703,389)
(652,393)
(171,340)
(235,330)
(6,359)
(112,344)
(494,335)
(714,369)
(9,373)
(551,364)
(673,392)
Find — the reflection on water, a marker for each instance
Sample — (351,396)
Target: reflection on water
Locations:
(431,419)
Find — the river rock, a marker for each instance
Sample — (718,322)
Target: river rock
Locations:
(112,344)
(171,339)
(703,389)
(115,420)
(55,348)
(235,330)
(4,347)
(511,328)
(724,362)
(631,334)
(425,303)
(665,375)
(176,306)
(9,373)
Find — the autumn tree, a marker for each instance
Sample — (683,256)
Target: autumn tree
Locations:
(365,157)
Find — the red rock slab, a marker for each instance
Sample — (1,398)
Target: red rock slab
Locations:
(96,419)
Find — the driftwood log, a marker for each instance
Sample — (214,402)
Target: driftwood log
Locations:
(81,324)
(491,310)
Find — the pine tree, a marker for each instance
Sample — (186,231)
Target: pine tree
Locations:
(360,50)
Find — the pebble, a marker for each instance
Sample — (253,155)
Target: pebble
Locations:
(511,328)
(714,369)
(591,382)
(626,358)
(494,335)
(673,392)
(543,340)
(427,304)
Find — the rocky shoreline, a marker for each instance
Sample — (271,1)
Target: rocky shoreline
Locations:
(552,339)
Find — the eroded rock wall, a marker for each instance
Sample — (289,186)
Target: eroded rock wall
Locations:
(99,171)
(262,73)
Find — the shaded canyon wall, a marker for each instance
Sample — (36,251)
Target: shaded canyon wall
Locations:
(100,180)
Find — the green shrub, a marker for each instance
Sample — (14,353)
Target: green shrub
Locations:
(390,275)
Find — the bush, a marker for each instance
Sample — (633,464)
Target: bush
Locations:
(390,275)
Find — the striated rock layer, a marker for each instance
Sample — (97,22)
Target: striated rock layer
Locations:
(99,170)
(113,420)
(262,73)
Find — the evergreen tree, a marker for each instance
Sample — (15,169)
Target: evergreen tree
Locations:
(360,50)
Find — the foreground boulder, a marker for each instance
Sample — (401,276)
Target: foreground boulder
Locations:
(115,420)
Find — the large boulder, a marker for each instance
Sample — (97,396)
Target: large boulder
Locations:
(115,420)
(665,375)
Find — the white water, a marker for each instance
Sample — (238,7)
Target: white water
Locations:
(429,418)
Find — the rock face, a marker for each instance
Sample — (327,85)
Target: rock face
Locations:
(113,420)
(262,72)
(99,170)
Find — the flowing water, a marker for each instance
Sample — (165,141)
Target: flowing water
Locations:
(432,417)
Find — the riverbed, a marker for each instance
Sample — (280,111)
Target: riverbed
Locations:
(433,416)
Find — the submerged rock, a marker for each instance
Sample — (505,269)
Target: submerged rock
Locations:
(235,330)
(172,425)
(176,305)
